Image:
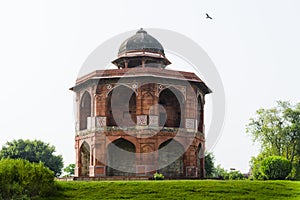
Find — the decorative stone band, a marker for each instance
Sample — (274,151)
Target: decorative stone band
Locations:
(100,122)
(95,122)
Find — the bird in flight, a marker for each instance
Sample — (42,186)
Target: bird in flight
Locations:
(208,17)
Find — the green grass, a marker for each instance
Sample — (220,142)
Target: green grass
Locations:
(183,189)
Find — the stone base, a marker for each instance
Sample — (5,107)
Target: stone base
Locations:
(191,171)
(97,171)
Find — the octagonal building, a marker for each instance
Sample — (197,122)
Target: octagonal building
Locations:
(140,118)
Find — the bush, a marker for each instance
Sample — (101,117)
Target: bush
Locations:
(220,173)
(235,175)
(276,167)
(255,164)
(20,179)
(158,176)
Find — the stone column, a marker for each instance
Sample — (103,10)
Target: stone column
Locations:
(77,158)
(126,64)
(101,107)
(92,163)
(154,112)
(190,109)
(141,119)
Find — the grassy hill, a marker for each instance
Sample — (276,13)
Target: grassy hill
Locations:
(183,189)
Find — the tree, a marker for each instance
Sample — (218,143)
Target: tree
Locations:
(278,132)
(21,179)
(220,173)
(209,164)
(33,151)
(70,170)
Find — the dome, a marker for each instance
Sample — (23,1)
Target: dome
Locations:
(141,50)
(141,41)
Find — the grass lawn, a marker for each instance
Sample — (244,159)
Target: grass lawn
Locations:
(183,189)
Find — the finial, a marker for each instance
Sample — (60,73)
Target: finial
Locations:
(141,31)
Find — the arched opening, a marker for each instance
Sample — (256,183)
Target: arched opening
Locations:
(134,63)
(121,107)
(121,158)
(153,63)
(199,114)
(200,157)
(85,110)
(84,159)
(170,158)
(172,101)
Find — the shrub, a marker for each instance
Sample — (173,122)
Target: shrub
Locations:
(275,167)
(158,176)
(20,179)
(255,164)
(235,175)
(220,173)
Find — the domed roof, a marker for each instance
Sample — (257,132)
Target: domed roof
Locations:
(141,41)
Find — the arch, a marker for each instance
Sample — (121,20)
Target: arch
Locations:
(121,107)
(84,159)
(173,102)
(110,88)
(85,110)
(170,158)
(121,158)
(153,63)
(200,157)
(134,63)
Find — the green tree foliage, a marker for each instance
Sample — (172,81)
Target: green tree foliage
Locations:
(20,179)
(33,151)
(235,175)
(222,174)
(70,169)
(209,164)
(255,164)
(278,132)
(276,167)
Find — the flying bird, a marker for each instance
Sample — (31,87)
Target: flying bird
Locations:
(208,17)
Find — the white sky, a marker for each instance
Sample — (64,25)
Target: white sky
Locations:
(254,44)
